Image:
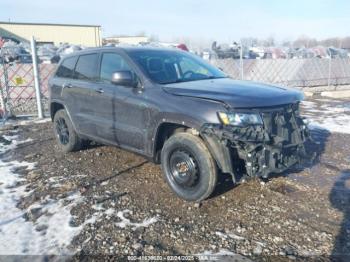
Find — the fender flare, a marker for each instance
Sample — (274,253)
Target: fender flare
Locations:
(221,153)
(67,111)
(177,119)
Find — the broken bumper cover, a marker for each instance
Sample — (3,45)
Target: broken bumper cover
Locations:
(259,150)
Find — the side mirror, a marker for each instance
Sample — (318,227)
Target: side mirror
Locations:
(123,78)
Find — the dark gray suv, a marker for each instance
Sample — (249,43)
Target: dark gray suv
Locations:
(175,109)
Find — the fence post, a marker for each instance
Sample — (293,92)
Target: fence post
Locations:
(36,79)
(4,92)
(3,102)
(329,68)
(241,61)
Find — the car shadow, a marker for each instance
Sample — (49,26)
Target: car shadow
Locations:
(224,184)
(89,145)
(315,148)
(340,199)
(97,182)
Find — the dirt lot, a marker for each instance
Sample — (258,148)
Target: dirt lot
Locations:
(104,200)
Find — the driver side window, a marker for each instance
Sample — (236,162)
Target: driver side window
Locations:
(111,63)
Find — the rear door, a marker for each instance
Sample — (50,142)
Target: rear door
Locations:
(65,79)
(85,78)
(77,91)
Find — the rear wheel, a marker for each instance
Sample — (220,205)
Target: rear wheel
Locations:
(67,138)
(188,167)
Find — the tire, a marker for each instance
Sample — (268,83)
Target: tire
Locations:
(66,137)
(188,167)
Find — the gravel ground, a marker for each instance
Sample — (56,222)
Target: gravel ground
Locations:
(126,208)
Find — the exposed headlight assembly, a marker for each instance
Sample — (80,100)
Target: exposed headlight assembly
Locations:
(240,119)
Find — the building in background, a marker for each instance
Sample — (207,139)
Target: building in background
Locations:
(129,40)
(86,35)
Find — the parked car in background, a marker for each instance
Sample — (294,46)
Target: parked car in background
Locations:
(48,54)
(337,52)
(15,54)
(24,57)
(226,51)
(177,110)
(180,46)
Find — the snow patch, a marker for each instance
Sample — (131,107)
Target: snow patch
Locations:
(27,121)
(110,211)
(51,232)
(13,143)
(125,222)
(105,183)
(308,104)
(331,115)
(229,235)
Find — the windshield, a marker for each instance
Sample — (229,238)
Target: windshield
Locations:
(170,66)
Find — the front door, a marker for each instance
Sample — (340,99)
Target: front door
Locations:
(120,112)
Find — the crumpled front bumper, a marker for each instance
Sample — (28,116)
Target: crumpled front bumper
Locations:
(259,150)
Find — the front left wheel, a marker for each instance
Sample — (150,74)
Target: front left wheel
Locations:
(188,167)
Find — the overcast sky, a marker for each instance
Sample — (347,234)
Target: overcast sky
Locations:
(223,20)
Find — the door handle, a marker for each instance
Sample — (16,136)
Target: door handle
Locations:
(100,91)
(67,85)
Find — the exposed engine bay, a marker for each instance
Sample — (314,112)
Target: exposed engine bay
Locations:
(258,150)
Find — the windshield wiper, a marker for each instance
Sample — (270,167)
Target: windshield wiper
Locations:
(190,80)
(214,77)
(172,82)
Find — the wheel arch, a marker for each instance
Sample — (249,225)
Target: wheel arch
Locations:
(54,107)
(218,150)
(163,132)
(57,105)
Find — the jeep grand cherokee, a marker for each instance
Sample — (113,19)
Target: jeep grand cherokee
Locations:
(175,109)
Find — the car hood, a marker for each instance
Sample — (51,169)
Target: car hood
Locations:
(235,93)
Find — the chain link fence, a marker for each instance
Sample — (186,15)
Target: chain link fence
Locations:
(17,87)
(302,73)
(17,91)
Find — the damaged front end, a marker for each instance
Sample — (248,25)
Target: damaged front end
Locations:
(258,150)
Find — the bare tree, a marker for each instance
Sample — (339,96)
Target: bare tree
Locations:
(305,41)
(346,42)
(270,41)
(141,33)
(153,38)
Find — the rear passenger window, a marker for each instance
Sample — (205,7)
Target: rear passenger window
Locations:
(66,68)
(111,63)
(86,68)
